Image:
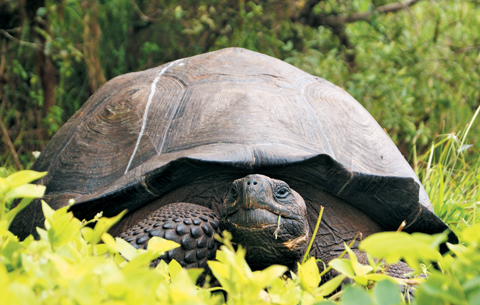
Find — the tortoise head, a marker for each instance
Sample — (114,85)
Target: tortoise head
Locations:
(268,218)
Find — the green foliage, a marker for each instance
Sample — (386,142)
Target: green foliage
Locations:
(413,248)
(16,186)
(68,265)
(384,293)
(450,173)
(458,280)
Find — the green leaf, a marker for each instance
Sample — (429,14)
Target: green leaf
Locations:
(109,241)
(63,227)
(220,272)
(440,289)
(160,245)
(48,213)
(379,277)
(102,226)
(387,292)
(174,268)
(309,274)
(354,295)
(126,249)
(414,248)
(26,191)
(330,286)
(264,277)
(344,266)
(10,216)
(19,178)
(359,269)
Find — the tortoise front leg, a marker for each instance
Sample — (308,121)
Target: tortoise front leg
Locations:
(191,225)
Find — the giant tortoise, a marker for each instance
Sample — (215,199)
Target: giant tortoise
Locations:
(236,135)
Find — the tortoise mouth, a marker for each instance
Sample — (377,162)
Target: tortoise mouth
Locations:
(253,218)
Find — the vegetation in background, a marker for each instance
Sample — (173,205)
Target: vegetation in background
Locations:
(450,173)
(412,64)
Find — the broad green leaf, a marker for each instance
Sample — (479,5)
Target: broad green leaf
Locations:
(359,269)
(3,186)
(64,227)
(309,274)
(174,268)
(10,216)
(161,245)
(330,286)
(19,294)
(22,177)
(386,292)
(162,267)
(109,241)
(48,213)
(104,224)
(457,249)
(87,233)
(379,277)
(264,277)
(472,284)
(413,248)
(344,266)
(222,274)
(26,191)
(42,233)
(355,295)
(142,259)
(194,273)
(361,279)
(440,289)
(126,249)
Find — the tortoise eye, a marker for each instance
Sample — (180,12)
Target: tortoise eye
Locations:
(282,192)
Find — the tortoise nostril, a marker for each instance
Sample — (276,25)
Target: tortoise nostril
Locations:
(254,182)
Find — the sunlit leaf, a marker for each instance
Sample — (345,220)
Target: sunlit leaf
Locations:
(26,191)
(330,286)
(309,274)
(386,292)
(354,295)
(174,268)
(344,266)
(22,178)
(413,248)
(161,245)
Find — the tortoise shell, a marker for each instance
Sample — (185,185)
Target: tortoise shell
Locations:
(234,111)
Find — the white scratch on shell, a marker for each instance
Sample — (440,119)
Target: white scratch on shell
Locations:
(145,114)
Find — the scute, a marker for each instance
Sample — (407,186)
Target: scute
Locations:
(233,110)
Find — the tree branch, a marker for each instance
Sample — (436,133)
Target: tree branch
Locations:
(336,21)
(21,42)
(9,143)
